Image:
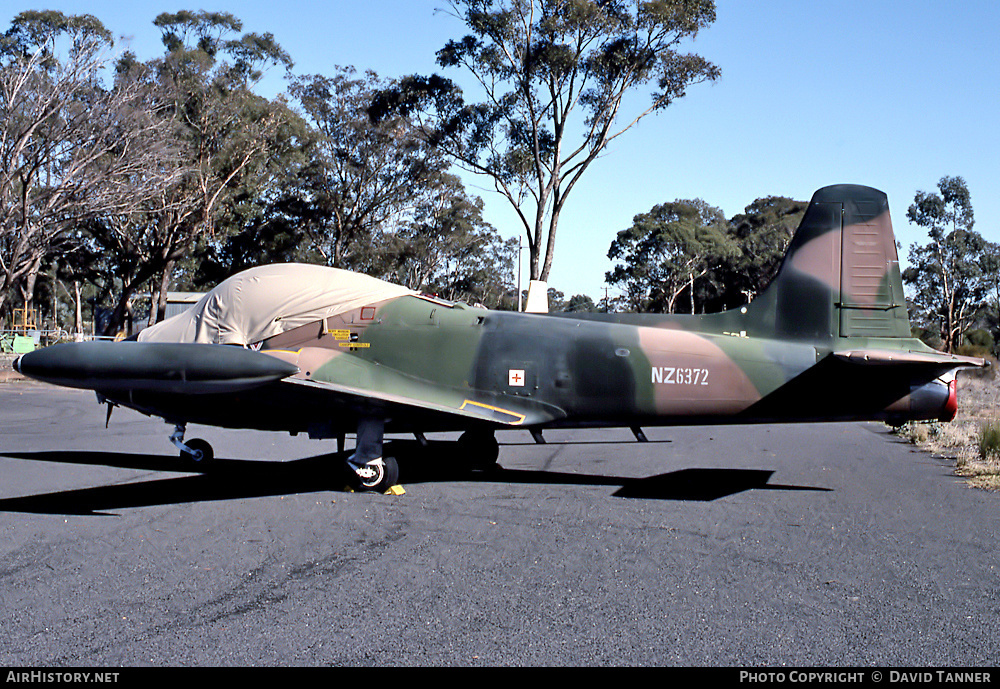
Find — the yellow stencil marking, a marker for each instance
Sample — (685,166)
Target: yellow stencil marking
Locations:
(515,415)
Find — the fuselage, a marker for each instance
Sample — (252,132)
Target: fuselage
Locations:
(647,371)
(427,365)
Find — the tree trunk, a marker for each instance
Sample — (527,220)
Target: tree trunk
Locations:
(78,317)
(28,290)
(161,301)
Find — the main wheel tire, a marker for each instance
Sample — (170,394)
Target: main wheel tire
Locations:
(201,454)
(386,476)
(480,449)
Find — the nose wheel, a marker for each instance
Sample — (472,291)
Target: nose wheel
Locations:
(197,452)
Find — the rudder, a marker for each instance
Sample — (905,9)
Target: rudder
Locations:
(840,276)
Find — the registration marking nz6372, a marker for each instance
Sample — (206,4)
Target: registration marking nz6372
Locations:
(671,375)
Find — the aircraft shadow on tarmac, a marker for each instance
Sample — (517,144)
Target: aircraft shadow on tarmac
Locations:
(228,479)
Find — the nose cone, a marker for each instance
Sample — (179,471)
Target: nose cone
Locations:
(39,364)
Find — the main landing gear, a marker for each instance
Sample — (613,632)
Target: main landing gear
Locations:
(479,449)
(368,468)
(372,471)
(377,475)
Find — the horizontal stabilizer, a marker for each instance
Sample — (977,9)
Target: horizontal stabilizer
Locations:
(153,366)
(889,357)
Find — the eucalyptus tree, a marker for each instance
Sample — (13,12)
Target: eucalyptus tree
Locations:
(431,245)
(448,249)
(362,178)
(951,274)
(71,148)
(222,132)
(362,195)
(762,233)
(375,196)
(666,251)
(555,76)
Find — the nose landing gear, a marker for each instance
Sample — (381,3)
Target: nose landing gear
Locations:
(197,452)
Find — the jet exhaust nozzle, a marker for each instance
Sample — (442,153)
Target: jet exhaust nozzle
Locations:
(936,400)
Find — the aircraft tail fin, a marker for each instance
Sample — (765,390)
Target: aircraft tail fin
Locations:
(840,277)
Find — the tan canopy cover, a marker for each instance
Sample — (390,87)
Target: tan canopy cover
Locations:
(262,302)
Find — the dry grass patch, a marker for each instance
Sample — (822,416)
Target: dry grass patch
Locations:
(981,475)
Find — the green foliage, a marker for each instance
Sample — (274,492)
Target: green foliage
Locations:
(666,251)
(989,441)
(580,303)
(359,177)
(979,338)
(35,30)
(446,248)
(720,263)
(763,232)
(201,31)
(367,196)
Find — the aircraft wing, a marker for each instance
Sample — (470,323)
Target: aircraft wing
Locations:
(399,393)
(524,413)
(164,372)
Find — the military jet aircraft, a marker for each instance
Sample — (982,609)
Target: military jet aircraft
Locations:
(309,349)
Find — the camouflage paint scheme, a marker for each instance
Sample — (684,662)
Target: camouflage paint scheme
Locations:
(828,340)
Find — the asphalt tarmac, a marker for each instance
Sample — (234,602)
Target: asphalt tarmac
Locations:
(779,546)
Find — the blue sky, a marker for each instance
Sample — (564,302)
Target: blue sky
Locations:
(879,92)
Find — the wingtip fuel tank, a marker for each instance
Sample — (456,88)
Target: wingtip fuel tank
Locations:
(160,367)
